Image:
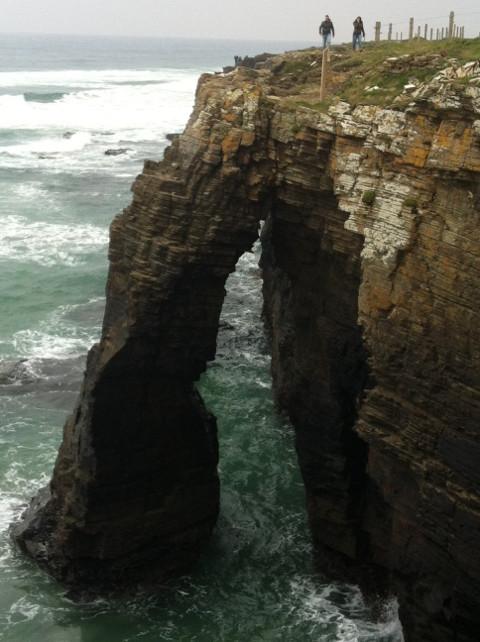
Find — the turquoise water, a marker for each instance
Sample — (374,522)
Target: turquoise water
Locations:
(64,104)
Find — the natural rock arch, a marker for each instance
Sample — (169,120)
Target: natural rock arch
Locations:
(135,486)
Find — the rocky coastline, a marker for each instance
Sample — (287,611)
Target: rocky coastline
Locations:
(371,268)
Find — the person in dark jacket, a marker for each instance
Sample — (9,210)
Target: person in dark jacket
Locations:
(358,32)
(327,31)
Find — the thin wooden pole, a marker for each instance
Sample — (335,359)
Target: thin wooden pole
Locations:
(378,26)
(425,32)
(323,80)
(438,33)
(431,33)
(418,31)
(390,31)
(410,29)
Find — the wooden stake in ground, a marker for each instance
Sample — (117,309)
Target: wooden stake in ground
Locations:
(451,20)
(323,80)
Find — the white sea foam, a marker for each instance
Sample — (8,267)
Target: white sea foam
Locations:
(99,110)
(20,196)
(48,244)
(343,606)
(82,78)
(23,609)
(51,145)
(38,344)
(99,100)
(68,332)
(9,508)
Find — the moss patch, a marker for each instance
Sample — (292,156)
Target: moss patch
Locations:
(368,197)
(410,202)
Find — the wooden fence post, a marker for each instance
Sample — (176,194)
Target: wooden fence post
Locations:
(410,29)
(323,80)
(450,24)
(418,31)
(425,32)
(431,33)
(390,31)
(378,26)
(438,33)
(443,32)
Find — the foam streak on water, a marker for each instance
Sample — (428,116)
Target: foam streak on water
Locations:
(64,103)
(48,243)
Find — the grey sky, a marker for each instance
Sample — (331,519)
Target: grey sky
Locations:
(242,19)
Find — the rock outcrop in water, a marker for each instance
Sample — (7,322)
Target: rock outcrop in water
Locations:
(371,273)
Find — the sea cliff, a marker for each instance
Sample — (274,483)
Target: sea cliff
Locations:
(371,264)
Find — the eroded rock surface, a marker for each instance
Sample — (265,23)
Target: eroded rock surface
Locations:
(371,263)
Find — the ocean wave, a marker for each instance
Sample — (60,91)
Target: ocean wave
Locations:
(66,333)
(111,108)
(108,104)
(48,244)
(75,78)
(344,609)
(54,351)
(69,142)
(38,344)
(9,509)
(43,97)
(73,132)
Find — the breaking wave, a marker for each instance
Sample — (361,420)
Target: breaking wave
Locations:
(48,244)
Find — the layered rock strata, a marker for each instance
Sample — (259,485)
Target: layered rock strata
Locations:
(372,264)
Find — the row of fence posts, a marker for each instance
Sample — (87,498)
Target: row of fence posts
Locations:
(452,30)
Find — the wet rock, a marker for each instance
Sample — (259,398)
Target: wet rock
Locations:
(12,371)
(117,152)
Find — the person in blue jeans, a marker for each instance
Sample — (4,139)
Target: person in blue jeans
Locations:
(358,32)
(326,31)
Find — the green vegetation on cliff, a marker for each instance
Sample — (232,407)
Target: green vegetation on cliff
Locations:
(375,76)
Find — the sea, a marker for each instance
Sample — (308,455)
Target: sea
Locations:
(78,116)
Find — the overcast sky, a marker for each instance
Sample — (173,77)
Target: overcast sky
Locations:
(242,19)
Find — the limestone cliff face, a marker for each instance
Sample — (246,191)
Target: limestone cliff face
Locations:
(371,271)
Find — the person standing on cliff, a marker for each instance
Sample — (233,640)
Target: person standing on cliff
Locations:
(327,32)
(358,32)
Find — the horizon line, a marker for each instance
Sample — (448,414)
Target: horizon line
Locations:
(152,37)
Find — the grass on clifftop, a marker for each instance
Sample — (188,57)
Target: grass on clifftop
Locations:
(353,73)
(370,70)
